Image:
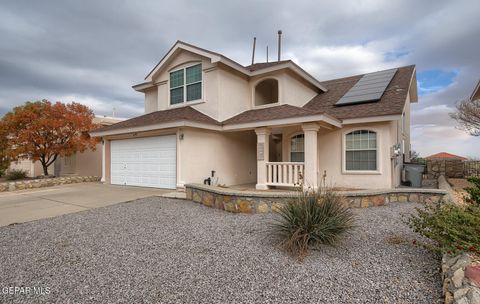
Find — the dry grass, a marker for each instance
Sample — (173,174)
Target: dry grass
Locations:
(396,239)
(458,186)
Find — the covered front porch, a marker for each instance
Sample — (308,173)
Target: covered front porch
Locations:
(287,156)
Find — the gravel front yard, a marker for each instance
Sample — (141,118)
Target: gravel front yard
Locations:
(172,251)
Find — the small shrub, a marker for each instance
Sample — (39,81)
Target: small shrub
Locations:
(453,229)
(310,220)
(15,174)
(474,191)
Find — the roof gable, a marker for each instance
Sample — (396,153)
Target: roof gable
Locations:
(252,70)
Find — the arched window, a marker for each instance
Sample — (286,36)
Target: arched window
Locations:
(361,151)
(266,92)
(297,148)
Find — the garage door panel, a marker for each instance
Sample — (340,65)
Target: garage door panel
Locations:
(147,162)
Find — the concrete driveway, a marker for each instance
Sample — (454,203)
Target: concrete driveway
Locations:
(29,205)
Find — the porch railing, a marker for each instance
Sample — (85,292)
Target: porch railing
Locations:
(284,173)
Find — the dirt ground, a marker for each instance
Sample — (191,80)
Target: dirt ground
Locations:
(458,186)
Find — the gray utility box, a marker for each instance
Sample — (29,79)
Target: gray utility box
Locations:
(414,173)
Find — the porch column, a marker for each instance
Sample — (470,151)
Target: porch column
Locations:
(263,137)
(310,131)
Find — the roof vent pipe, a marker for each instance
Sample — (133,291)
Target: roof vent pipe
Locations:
(267,53)
(279,43)
(253,52)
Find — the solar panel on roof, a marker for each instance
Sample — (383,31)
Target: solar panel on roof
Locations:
(369,88)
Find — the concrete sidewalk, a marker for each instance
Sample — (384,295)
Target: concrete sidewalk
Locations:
(29,205)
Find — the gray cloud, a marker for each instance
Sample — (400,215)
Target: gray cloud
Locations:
(93,51)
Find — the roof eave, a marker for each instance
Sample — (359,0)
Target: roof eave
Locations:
(413,90)
(158,126)
(284,122)
(141,87)
(214,57)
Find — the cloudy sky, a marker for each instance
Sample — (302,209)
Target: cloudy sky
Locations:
(94,51)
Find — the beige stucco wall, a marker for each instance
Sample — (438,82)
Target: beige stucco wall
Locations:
(151,100)
(225,92)
(180,60)
(25,165)
(89,162)
(233,93)
(291,89)
(231,155)
(296,91)
(331,158)
(33,169)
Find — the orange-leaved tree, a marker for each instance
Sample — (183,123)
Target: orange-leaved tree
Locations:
(4,159)
(43,131)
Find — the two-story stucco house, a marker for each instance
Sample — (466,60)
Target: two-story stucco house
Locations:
(269,124)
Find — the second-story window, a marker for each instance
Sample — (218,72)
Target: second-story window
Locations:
(186,84)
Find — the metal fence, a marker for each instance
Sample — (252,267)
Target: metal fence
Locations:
(471,168)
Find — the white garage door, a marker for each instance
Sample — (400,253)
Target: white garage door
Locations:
(146,162)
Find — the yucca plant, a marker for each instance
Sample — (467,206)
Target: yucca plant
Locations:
(311,219)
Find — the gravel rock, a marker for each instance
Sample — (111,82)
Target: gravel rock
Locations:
(158,250)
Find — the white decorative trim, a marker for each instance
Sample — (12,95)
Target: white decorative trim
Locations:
(378,149)
(175,124)
(283,121)
(371,119)
(184,66)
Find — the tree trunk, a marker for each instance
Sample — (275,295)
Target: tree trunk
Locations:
(45,169)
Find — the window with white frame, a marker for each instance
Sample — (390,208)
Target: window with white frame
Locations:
(186,84)
(297,152)
(361,151)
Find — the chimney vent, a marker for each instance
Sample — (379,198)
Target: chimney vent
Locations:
(279,44)
(253,52)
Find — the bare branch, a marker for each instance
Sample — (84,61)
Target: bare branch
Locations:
(467,116)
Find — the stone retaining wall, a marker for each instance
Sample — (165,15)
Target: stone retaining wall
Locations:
(45,182)
(453,168)
(461,280)
(261,201)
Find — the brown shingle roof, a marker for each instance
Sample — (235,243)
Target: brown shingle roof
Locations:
(391,103)
(183,113)
(277,112)
(264,65)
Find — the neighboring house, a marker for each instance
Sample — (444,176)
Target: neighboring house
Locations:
(88,163)
(270,124)
(445,156)
(476,92)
